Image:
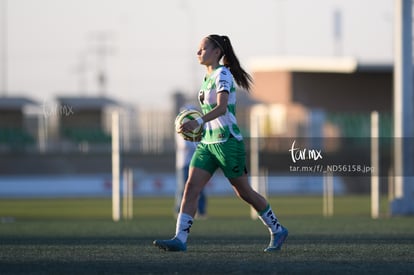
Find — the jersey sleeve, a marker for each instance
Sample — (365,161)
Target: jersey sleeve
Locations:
(224,81)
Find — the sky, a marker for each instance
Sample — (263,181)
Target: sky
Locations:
(147,48)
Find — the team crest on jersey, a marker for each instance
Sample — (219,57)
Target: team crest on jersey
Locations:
(201,96)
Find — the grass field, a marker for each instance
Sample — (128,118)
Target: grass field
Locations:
(77,236)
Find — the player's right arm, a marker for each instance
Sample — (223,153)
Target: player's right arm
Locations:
(219,110)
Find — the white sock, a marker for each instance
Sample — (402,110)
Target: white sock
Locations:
(270,220)
(182,228)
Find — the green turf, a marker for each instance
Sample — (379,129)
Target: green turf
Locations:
(100,208)
(84,240)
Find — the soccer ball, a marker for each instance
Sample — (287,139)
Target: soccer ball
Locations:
(184,116)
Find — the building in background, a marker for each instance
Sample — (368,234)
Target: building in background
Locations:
(16,131)
(325,103)
(82,121)
(339,93)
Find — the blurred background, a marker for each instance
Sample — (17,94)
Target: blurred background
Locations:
(320,69)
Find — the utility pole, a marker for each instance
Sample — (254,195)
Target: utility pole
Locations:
(337,32)
(4,47)
(81,70)
(102,50)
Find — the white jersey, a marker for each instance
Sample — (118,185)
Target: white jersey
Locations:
(219,129)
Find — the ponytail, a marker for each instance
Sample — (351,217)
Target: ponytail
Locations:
(230,60)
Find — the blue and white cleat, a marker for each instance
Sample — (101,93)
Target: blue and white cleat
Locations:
(277,240)
(171,245)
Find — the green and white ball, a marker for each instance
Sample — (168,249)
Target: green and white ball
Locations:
(184,116)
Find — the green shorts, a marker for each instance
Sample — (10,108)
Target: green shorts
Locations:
(230,156)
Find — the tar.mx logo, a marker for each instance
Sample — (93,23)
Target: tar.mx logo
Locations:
(304,154)
(57,110)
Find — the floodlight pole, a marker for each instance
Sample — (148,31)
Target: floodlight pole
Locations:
(116,208)
(403,203)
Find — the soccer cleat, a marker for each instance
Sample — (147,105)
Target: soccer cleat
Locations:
(277,240)
(171,245)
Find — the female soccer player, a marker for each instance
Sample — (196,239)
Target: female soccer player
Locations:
(222,144)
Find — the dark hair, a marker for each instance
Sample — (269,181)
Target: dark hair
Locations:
(230,60)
